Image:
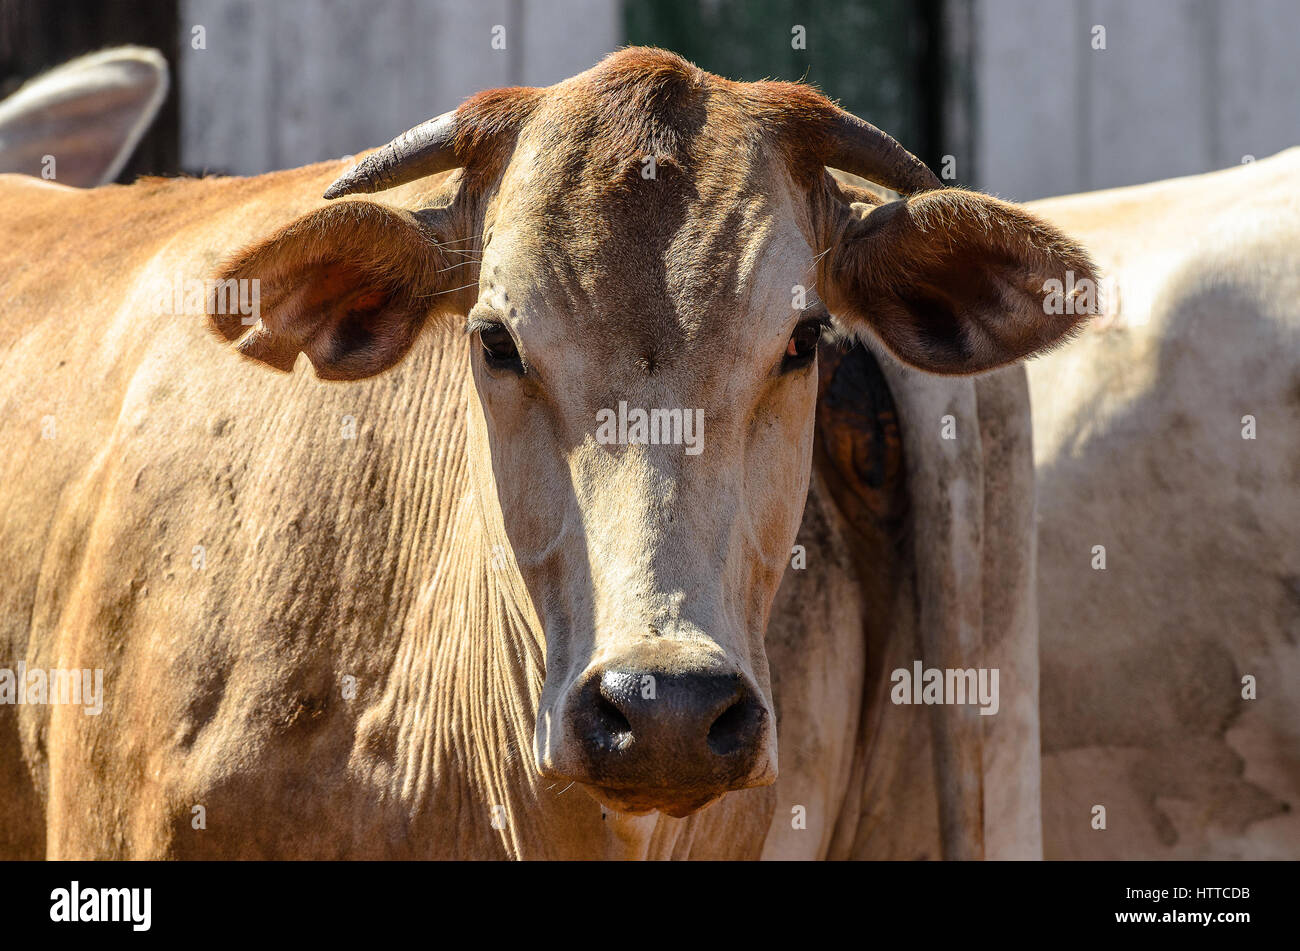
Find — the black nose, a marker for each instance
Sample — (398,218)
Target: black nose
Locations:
(682,731)
(688,711)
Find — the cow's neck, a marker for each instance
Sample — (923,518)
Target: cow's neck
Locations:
(457,713)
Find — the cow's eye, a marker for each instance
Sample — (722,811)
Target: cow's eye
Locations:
(801,349)
(499,348)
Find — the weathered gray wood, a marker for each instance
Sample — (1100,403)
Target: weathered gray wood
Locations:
(559,40)
(284,84)
(1183,86)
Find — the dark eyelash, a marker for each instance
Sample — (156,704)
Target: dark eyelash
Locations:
(822,318)
(477,324)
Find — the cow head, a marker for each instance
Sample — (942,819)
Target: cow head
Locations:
(644,257)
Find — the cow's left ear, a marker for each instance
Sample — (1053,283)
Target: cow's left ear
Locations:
(955,282)
(350,285)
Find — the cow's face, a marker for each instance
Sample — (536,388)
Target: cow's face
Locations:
(643,351)
(657,253)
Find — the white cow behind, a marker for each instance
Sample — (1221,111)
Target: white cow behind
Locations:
(1169,435)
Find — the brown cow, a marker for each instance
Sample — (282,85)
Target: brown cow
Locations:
(448,606)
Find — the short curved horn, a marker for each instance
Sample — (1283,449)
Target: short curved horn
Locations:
(427,149)
(860,148)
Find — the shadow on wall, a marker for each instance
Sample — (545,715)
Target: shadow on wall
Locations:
(1142,663)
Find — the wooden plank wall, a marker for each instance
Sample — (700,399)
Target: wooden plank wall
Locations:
(284,84)
(1183,86)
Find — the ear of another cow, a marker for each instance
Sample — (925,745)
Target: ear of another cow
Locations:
(956,282)
(349,285)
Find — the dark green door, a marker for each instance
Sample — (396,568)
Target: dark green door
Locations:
(878,58)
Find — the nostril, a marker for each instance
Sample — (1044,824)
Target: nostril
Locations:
(731,730)
(611,716)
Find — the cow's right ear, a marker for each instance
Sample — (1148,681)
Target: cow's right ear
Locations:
(350,285)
